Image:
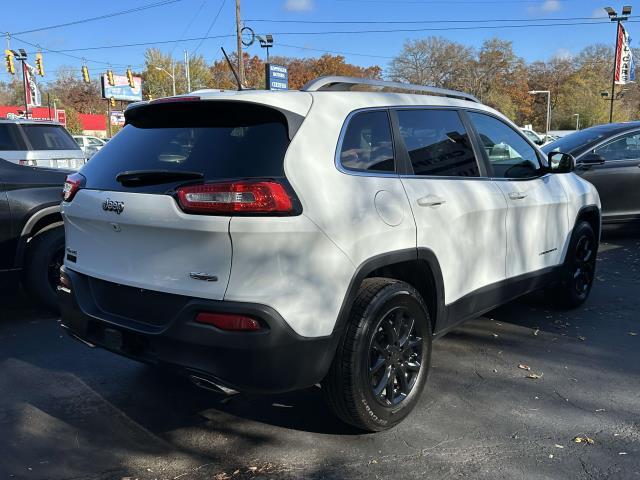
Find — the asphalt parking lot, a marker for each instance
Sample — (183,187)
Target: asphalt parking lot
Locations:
(68,411)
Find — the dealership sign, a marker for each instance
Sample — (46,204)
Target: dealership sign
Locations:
(277,77)
(121,90)
(625,66)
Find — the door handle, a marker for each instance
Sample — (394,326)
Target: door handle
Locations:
(431,201)
(517,195)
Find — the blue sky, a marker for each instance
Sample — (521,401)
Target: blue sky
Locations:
(193,18)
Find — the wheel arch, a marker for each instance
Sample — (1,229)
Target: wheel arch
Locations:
(418,267)
(590,214)
(40,221)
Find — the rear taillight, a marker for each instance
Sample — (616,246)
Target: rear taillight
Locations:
(242,197)
(72,184)
(63,281)
(28,163)
(229,321)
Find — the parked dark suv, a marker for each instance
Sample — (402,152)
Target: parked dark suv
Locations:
(31,232)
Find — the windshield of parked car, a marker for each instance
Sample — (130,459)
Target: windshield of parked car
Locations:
(574,141)
(49,137)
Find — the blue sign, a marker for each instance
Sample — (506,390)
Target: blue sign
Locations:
(277,77)
(121,90)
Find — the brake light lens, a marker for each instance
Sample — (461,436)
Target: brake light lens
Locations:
(175,99)
(241,197)
(229,321)
(72,184)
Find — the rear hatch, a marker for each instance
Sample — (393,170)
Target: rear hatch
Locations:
(51,146)
(153,210)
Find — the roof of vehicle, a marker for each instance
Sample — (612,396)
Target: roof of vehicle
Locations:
(29,121)
(579,142)
(300,102)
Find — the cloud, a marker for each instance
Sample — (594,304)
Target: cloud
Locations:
(562,54)
(298,5)
(547,7)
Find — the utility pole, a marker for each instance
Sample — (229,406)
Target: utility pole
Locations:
(614,17)
(239,43)
(186,70)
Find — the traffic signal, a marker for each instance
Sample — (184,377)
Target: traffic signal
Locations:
(39,65)
(130,78)
(11,67)
(110,78)
(85,74)
(112,101)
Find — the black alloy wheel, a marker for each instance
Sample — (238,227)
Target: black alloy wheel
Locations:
(395,357)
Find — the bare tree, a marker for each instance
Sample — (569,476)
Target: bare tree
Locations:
(433,61)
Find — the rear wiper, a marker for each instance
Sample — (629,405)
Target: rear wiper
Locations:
(138,178)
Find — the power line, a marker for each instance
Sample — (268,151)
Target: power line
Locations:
(458,2)
(399,22)
(193,19)
(101,17)
(210,26)
(331,32)
(334,51)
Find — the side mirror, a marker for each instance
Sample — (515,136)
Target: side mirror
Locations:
(561,162)
(592,158)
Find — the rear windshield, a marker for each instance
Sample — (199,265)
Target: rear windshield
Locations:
(220,140)
(49,137)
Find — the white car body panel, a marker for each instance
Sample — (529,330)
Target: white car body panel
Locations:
(466,233)
(288,264)
(152,244)
(537,225)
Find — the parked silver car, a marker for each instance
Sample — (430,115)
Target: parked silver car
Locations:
(39,144)
(89,144)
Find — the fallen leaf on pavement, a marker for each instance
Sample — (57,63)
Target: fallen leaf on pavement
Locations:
(536,331)
(581,338)
(558,446)
(600,410)
(633,334)
(534,376)
(524,367)
(587,440)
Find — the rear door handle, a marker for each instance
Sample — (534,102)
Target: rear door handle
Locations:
(517,195)
(431,201)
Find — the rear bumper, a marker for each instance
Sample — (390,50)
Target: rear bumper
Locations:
(272,360)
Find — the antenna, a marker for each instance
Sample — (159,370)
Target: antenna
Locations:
(233,70)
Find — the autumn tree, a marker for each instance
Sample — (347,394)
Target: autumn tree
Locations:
(433,61)
(72,92)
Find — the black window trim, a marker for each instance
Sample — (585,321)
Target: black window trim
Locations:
(489,167)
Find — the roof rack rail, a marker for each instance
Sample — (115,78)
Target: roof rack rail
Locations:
(337,83)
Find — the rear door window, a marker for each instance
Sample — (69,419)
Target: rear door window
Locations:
(220,140)
(10,138)
(49,137)
(437,143)
(367,145)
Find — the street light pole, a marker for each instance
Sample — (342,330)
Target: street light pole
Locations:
(614,17)
(548,92)
(172,75)
(577,115)
(186,70)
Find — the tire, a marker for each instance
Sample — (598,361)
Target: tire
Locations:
(579,268)
(42,264)
(371,338)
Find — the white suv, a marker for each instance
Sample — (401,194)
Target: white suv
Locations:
(269,241)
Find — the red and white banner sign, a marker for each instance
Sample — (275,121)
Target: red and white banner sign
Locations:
(625,68)
(32,92)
